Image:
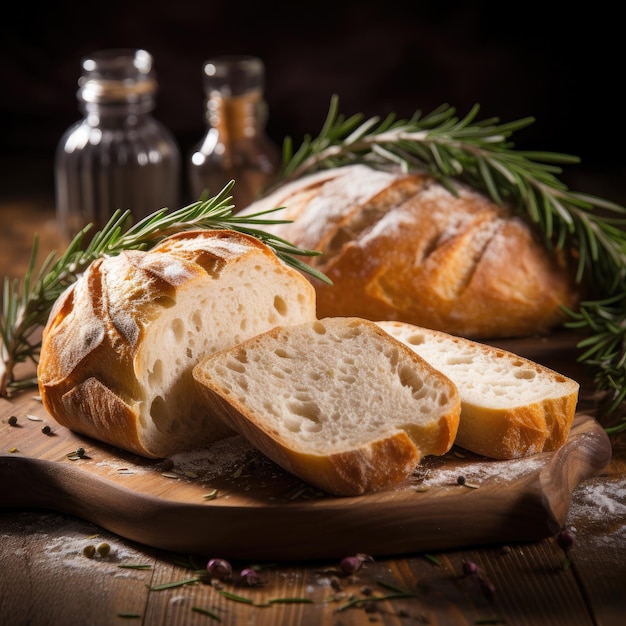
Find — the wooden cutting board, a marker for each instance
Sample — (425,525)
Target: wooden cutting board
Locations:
(232,502)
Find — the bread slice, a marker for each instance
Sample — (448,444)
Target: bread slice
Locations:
(511,407)
(120,343)
(337,402)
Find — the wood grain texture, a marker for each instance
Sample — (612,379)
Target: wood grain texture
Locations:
(55,584)
(148,502)
(45,580)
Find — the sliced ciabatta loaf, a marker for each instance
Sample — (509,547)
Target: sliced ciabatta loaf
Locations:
(337,402)
(121,342)
(401,246)
(511,407)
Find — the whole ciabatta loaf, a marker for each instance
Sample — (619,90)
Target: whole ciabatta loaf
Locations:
(337,402)
(402,247)
(120,343)
(511,407)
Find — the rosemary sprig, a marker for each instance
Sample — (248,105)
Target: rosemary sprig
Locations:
(27,303)
(480,153)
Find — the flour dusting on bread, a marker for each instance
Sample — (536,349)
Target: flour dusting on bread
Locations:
(121,342)
(400,246)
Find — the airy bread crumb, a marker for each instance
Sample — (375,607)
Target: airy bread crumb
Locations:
(511,407)
(336,401)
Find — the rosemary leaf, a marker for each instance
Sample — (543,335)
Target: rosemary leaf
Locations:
(207,612)
(235,597)
(432,559)
(173,584)
(392,587)
(355,602)
(613,430)
(293,600)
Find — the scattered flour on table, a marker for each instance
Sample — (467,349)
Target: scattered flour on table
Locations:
(63,540)
(599,501)
(477,473)
(602,502)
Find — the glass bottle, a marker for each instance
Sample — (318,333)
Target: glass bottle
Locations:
(236,146)
(118,156)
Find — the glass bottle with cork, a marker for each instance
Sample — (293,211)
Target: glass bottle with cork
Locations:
(236,146)
(118,156)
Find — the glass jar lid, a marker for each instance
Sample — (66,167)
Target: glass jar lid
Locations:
(116,74)
(234,75)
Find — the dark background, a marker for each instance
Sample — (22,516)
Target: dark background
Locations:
(563,67)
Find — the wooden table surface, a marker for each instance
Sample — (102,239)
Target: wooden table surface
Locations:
(45,578)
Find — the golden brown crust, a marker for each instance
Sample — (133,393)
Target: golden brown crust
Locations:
(101,371)
(402,247)
(84,346)
(519,432)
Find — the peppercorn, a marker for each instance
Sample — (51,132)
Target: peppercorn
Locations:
(103,549)
(460,480)
(335,583)
(46,430)
(89,551)
(12,420)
